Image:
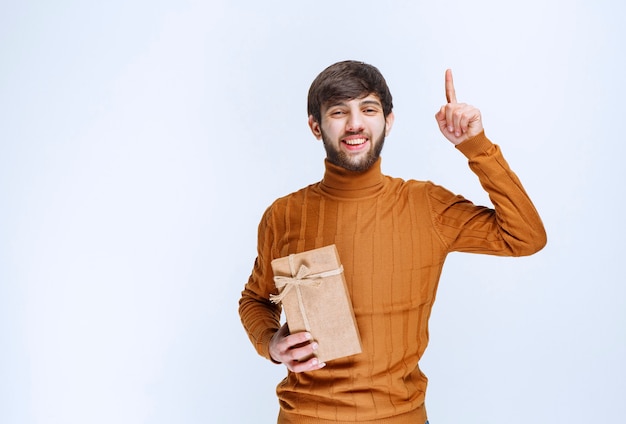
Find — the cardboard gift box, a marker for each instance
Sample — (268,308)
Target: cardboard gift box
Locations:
(312,290)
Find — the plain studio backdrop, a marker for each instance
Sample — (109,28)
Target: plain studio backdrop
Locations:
(140,142)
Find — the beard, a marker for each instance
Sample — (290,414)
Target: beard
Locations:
(359,163)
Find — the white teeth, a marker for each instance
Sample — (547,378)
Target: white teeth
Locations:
(355,141)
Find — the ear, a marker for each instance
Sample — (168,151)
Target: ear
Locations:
(315,127)
(389,123)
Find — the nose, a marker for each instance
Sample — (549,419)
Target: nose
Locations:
(354,123)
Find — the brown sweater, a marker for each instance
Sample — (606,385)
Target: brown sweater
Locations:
(393,237)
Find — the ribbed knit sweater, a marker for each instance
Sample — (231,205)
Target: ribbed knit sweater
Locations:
(392,237)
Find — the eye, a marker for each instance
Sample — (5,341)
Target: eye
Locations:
(337,113)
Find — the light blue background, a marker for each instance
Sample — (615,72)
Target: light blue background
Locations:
(140,142)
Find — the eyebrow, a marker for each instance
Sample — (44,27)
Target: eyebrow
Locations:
(371,102)
(364,102)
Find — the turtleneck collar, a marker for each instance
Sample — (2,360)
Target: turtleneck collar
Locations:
(340,182)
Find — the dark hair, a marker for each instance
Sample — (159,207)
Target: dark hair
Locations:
(347,80)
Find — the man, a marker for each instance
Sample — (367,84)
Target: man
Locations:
(392,237)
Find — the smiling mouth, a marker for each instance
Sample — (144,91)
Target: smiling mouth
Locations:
(355,141)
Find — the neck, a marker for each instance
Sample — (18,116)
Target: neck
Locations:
(341,182)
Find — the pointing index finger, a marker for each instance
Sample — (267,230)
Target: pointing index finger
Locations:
(450,93)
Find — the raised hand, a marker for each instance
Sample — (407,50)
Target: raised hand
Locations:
(457,121)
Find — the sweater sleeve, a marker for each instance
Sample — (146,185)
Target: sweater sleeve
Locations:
(512,228)
(259,316)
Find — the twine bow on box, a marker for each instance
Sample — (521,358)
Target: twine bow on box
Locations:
(301,278)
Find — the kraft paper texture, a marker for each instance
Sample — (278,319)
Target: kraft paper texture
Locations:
(313,293)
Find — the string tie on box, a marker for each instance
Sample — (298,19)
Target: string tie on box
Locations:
(301,278)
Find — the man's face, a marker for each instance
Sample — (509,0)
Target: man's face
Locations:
(353,132)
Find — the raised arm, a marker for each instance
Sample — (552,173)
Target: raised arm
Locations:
(513,227)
